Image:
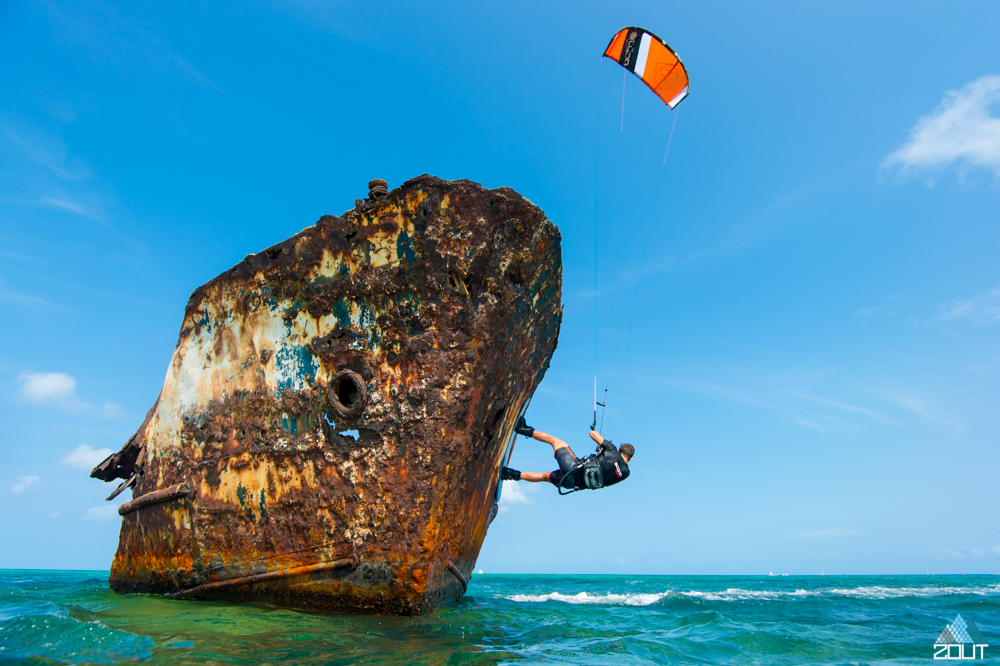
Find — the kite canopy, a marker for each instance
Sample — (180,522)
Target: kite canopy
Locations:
(648,57)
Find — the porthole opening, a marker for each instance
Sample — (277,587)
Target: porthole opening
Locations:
(348,394)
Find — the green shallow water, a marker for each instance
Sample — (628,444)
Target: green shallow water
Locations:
(70,617)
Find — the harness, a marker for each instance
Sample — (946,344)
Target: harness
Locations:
(593,476)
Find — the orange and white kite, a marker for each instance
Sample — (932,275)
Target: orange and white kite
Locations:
(648,57)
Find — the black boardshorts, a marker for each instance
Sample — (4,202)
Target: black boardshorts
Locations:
(567,461)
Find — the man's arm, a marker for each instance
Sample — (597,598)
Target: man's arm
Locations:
(602,444)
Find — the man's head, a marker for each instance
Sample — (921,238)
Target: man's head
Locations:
(627,451)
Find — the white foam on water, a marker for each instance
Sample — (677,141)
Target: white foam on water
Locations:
(736,594)
(739,594)
(867,592)
(595,599)
(881,592)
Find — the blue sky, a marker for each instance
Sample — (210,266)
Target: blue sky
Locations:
(812,374)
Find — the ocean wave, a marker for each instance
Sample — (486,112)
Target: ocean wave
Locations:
(873,592)
(635,599)
(882,592)
(866,592)
(66,640)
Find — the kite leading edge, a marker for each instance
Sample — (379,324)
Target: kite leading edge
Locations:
(652,60)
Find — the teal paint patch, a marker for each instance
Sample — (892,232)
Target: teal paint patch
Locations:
(241,494)
(342,311)
(366,322)
(404,249)
(290,423)
(295,367)
(367,247)
(263,508)
(292,309)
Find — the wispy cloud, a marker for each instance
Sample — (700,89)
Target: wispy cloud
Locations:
(821,399)
(58,199)
(85,458)
(24,483)
(40,172)
(788,397)
(102,514)
(920,406)
(954,553)
(983,309)
(829,533)
(68,204)
(46,149)
(22,299)
(750,397)
(765,222)
(58,390)
(962,131)
(114,35)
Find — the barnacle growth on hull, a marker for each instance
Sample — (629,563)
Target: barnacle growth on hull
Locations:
(332,424)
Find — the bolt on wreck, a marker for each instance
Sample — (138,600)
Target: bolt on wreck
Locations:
(337,409)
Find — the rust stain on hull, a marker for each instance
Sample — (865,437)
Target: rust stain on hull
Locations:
(346,396)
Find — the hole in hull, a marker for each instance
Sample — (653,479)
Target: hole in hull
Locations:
(347,394)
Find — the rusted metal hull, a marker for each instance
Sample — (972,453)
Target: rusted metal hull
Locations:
(423,320)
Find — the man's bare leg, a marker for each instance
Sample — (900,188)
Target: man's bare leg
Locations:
(549,439)
(555,443)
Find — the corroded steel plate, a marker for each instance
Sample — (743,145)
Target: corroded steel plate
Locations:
(332,423)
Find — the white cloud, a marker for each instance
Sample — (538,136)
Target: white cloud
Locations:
(24,483)
(996,549)
(515,492)
(58,389)
(41,387)
(85,458)
(962,129)
(825,534)
(102,514)
(983,309)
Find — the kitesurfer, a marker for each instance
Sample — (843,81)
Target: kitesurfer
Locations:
(606,467)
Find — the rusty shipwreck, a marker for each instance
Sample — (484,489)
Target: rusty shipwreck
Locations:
(337,409)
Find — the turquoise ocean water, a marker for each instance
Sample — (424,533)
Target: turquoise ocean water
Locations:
(70,617)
